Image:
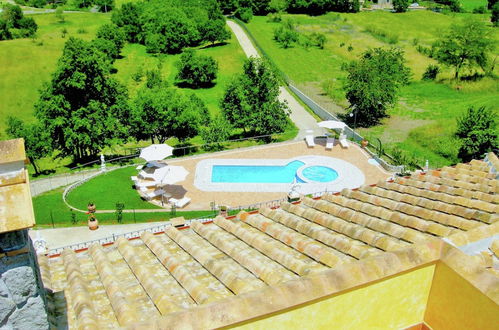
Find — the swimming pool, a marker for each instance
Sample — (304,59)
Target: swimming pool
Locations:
(256,174)
(306,174)
(272,174)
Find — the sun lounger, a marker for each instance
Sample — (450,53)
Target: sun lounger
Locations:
(343,141)
(310,141)
(180,203)
(145,184)
(329,143)
(155,193)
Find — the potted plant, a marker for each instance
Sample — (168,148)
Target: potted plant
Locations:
(223,210)
(364,143)
(93,223)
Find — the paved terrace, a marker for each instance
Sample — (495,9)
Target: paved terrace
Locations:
(200,200)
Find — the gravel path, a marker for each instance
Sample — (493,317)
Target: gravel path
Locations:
(302,119)
(52,182)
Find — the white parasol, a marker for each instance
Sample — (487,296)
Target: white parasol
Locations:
(332,124)
(156,152)
(170,175)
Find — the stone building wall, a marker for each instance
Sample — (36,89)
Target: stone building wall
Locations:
(22,297)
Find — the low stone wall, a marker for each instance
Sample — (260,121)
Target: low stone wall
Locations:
(22,297)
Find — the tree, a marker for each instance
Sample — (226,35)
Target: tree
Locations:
(491,3)
(477,129)
(400,6)
(114,37)
(213,29)
(285,36)
(251,100)
(244,14)
(169,30)
(465,46)
(217,131)
(201,109)
(83,108)
(4,30)
(128,19)
(373,82)
(13,24)
(59,14)
(104,5)
(494,16)
(196,70)
(12,14)
(161,113)
(154,78)
(36,139)
(27,27)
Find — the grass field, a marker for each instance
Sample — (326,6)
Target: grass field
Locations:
(469,5)
(424,119)
(50,207)
(108,189)
(230,58)
(26,64)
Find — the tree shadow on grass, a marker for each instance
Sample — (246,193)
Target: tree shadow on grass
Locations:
(182,84)
(217,44)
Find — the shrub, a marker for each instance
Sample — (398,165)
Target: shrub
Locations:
(319,39)
(431,72)
(244,14)
(285,36)
(477,130)
(400,6)
(494,17)
(196,70)
(382,35)
(274,17)
(480,10)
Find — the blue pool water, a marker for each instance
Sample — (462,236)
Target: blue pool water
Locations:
(256,174)
(320,173)
(271,174)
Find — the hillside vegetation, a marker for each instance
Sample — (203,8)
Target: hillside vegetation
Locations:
(424,119)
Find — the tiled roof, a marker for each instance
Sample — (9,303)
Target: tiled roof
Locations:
(142,279)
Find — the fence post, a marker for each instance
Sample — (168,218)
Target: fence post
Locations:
(52,219)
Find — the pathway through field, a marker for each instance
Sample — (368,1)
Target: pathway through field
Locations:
(302,119)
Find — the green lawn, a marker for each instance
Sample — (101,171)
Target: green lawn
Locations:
(427,110)
(26,64)
(107,189)
(230,58)
(50,207)
(469,5)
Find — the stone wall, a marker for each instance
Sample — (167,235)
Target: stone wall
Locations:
(22,297)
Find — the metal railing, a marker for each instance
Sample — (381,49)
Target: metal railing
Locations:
(128,235)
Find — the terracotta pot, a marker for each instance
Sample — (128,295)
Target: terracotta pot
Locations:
(364,143)
(93,223)
(91,208)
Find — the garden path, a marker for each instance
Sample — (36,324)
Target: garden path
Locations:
(300,117)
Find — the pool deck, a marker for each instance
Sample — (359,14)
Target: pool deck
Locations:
(200,200)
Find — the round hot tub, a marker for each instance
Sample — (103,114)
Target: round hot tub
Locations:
(317,173)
